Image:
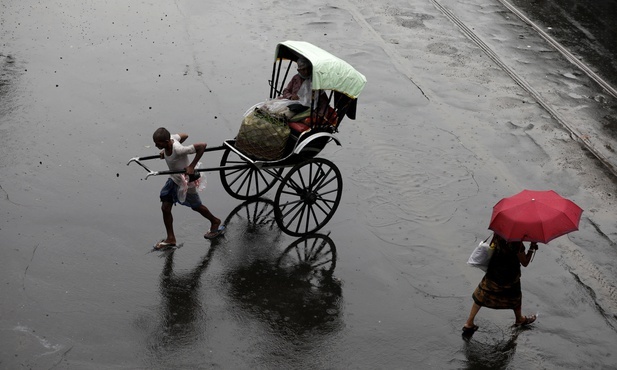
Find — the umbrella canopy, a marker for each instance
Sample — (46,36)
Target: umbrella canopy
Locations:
(535,216)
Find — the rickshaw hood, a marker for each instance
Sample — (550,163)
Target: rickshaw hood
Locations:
(329,72)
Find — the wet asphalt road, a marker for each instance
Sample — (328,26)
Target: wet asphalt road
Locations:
(464,105)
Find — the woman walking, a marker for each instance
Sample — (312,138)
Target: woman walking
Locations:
(500,287)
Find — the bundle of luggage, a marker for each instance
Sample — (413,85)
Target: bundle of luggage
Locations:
(263,135)
(264,131)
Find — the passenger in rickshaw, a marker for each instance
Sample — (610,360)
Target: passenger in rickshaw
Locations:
(300,89)
(292,91)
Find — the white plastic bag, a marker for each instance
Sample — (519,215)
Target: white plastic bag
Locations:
(199,184)
(278,107)
(304,93)
(481,255)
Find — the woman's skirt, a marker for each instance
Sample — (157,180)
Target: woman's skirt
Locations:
(492,295)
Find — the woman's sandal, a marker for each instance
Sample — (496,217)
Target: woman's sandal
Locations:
(526,321)
(468,332)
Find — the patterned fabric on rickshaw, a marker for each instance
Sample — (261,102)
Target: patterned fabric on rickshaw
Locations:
(303,124)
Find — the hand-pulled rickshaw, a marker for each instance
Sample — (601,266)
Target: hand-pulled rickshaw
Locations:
(309,194)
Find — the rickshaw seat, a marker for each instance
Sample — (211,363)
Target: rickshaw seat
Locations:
(298,127)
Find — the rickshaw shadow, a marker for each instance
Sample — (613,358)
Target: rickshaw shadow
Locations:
(293,290)
(252,225)
(288,303)
(253,219)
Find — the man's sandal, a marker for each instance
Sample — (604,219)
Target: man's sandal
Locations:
(163,245)
(215,234)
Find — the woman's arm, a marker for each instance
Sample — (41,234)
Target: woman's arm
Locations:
(525,258)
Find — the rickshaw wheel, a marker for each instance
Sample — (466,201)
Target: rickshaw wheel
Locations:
(309,258)
(249,182)
(308,196)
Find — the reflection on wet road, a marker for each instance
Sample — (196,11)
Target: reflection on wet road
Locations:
(289,292)
(181,315)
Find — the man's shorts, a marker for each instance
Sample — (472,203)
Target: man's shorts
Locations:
(169,194)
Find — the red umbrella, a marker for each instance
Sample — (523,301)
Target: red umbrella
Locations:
(535,216)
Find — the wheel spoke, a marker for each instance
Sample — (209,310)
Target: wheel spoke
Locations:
(313,245)
(319,258)
(294,193)
(293,205)
(262,215)
(240,173)
(322,184)
(325,205)
(260,176)
(250,181)
(302,184)
(300,213)
(299,256)
(316,266)
(319,175)
(321,195)
(311,211)
(244,180)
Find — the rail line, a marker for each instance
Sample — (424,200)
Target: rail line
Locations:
(526,86)
(605,85)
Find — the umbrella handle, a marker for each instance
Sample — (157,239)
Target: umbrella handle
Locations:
(533,250)
(532,256)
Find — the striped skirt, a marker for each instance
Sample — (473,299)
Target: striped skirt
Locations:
(498,296)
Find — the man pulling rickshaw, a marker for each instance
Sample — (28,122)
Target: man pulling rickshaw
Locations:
(309,193)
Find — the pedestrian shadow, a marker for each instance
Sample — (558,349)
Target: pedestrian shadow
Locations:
(484,353)
(181,312)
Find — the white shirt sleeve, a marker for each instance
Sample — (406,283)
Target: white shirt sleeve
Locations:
(178,160)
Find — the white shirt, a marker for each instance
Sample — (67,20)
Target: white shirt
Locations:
(178,159)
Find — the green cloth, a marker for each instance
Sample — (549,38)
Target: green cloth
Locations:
(300,116)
